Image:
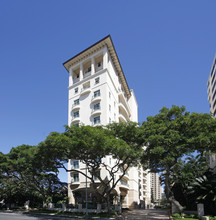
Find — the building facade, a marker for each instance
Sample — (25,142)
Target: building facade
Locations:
(156,188)
(98,95)
(211,90)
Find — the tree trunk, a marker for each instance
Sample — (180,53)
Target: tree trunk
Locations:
(108,204)
(169,193)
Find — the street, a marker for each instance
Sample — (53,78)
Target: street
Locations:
(19,216)
(137,214)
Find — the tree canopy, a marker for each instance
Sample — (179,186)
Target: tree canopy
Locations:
(91,145)
(173,134)
(23,174)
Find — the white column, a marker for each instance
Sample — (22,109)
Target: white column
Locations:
(92,65)
(81,71)
(70,77)
(105,59)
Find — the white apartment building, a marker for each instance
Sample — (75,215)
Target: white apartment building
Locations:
(156,188)
(211,86)
(99,94)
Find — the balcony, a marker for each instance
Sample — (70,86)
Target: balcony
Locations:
(124,110)
(75,119)
(96,97)
(126,174)
(144,190)
(122,118)
(85,90)
(76,80)
(123,99)
(124,184)
(98,68)
(96,123)
(75,106)
(96,111)
(87,70)
(144,184)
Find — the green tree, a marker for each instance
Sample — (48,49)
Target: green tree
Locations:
(24,167)
(90,145)
(204,190)
(173,134)
(184,174)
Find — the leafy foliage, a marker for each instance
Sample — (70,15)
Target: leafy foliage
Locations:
(204,190)
(91,145)
(172,134)
(23,176)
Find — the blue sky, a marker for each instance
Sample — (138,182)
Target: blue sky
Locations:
(166,49)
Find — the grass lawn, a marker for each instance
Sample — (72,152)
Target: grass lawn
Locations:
(185,218)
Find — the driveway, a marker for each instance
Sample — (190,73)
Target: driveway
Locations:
(146,214)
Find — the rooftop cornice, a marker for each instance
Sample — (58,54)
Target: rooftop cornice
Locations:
(107,41)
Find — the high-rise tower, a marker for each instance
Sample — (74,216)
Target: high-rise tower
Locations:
(211,84)
(99,94)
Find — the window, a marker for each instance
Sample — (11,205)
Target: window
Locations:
(76,114)
(76,164)
(110,107)
(109,95)
(212,69)
(213,79)
(76,177)
(114,116)
(110,160)
(97,80)
(77,76)
(97,120)
(99,64)
(76,102)
(76,90)
(114,104)
(110,120)
(97,93)
(97,106)
(96,175)
(88,70)
(214,95)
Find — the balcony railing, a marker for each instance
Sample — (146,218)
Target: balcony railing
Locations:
(96,111)
(85,90)
(126,172)
(122,117)
(95,123)
(96,97)
(98,68)
(75,80)
(75,105)
(75,118)
(86,74)
(124,183)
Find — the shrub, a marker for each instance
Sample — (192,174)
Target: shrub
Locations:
(176,215)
